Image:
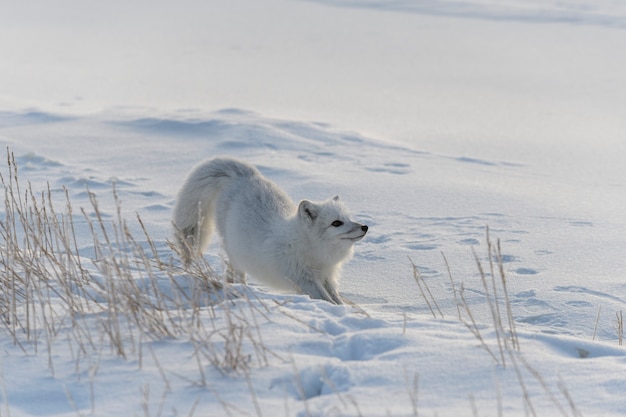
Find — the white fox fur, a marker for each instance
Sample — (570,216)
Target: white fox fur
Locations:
(262,231)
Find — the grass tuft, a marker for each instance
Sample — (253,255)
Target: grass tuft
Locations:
(132,293)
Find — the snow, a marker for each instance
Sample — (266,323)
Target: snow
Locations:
(430,119)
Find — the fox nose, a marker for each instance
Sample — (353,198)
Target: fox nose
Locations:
(364,228)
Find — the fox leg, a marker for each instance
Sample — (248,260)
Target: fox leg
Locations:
(320,291)
(235,276)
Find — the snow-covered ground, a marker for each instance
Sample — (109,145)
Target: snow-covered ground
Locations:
(431,119)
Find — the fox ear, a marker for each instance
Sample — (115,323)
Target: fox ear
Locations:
(308,211)
(336,198)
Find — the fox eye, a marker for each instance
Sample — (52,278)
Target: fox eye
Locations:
(337,223)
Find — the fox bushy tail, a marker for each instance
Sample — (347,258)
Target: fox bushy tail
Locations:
(194,212)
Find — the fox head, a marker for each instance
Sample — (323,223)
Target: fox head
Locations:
(330,230)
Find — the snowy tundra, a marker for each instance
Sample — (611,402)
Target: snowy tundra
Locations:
(433,119)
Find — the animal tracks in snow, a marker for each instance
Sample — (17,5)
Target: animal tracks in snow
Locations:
(342,337)
(589,292)
(392,168)
(315,381)
(33,162)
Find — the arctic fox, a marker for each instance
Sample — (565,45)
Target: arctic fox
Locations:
(262,231)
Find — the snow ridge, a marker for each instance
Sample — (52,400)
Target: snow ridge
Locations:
(601,13)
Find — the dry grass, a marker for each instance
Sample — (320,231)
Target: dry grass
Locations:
(494,288)
(133,294)
(620,327)
(506,353)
